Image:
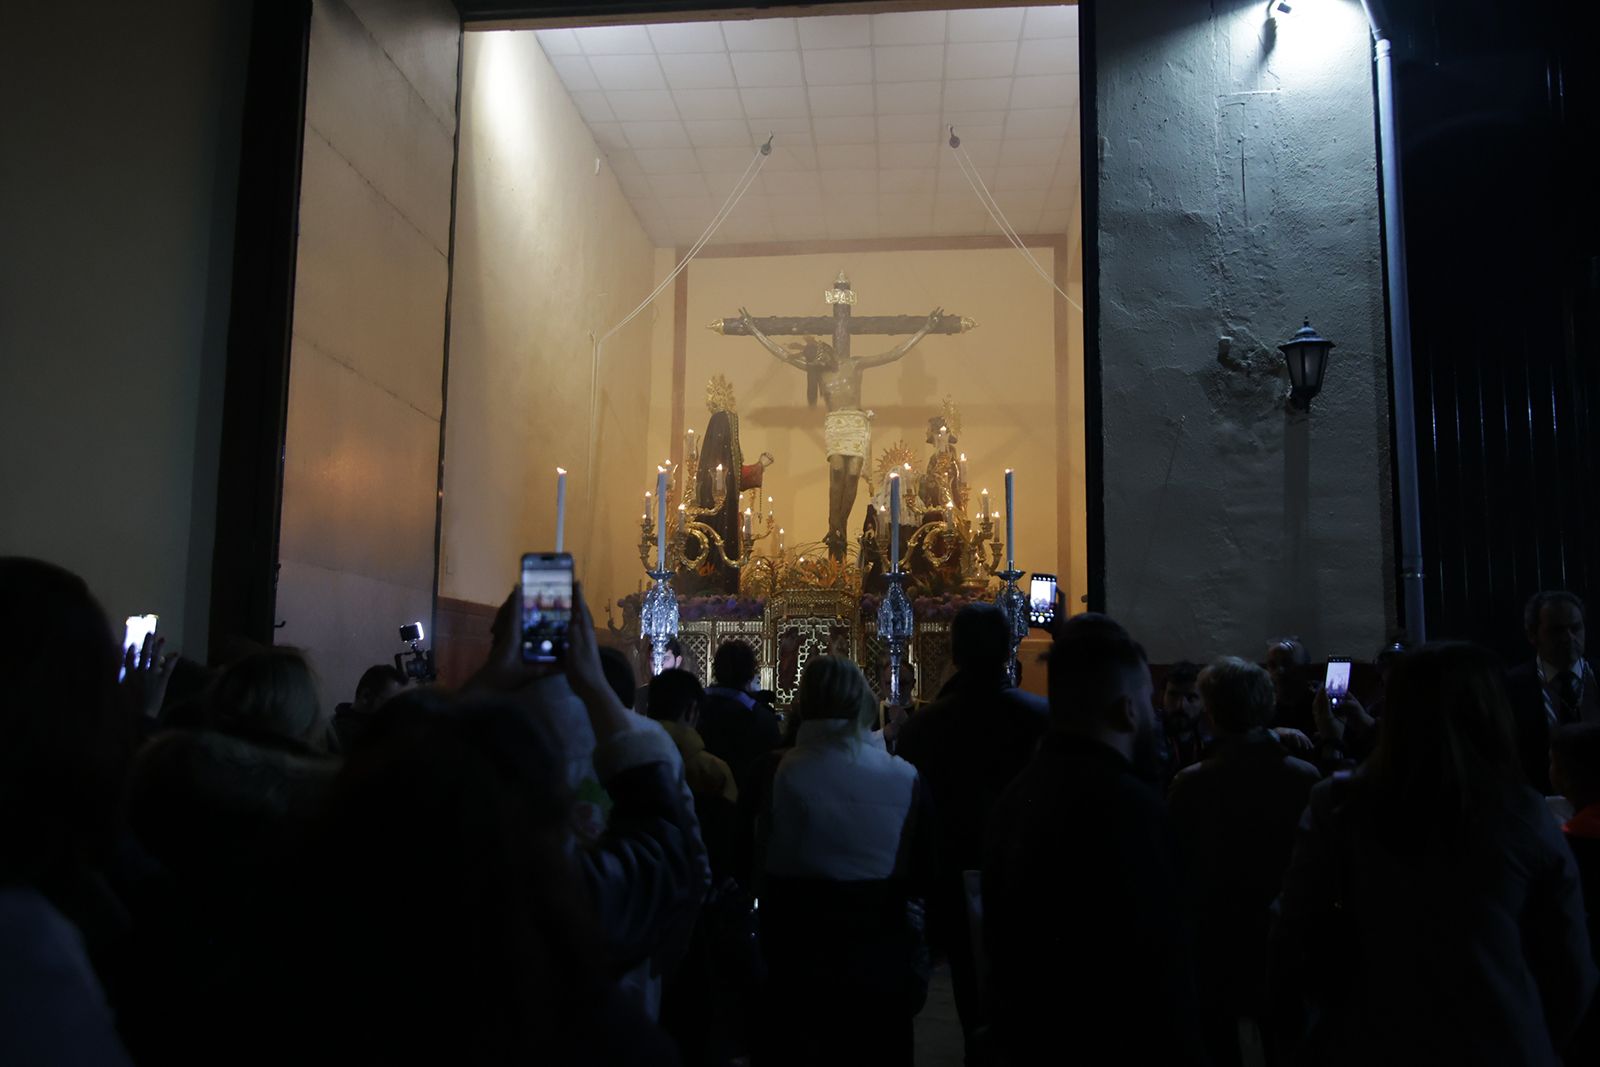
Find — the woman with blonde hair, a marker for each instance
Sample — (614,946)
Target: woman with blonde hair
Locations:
(847,860)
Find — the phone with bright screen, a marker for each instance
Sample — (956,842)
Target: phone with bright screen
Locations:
(1042,600)
(135,630)
(546,606)
(1337,680)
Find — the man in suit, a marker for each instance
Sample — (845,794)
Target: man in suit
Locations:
(968,744)
(1083,912)
(1558,688)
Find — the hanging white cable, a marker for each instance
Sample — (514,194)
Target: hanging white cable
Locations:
(742,186)
(981,190)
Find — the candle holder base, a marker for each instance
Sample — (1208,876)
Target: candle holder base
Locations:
(896,626)
(1014,604)
(658,618)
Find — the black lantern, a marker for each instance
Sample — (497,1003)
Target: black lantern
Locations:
(1306,353)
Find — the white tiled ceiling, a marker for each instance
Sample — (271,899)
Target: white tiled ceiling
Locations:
(860,106)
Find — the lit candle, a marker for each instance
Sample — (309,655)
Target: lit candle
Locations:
(1011,525)
(661,518)
(961,469)
(984,502)
(690,454)
(894,522)
(780,542)
(561,506)
(722,481)
(770,513)
(749,525)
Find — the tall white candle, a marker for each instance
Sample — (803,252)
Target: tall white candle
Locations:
(749,524)
(894,522)
(984,500)
(561,507)
(661,518)
(1011,525)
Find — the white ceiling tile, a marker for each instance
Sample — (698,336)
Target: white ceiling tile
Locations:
(801,227)
(655,134)
(622,161)
(671,37)
(1045,90)
(973,134)
(852,130)
(757,70)
(615,40)
(986,24)
(1024,221)
(838,66)
(908,27)
(1034,177)
(1020,153)
(849,227)
(594,107)
(1055,221)
(847,156)
(908,63)
(788,183)
(1061,198)
(1051,22)
(761,35)
(953,185)
(977,94)
(575,72)
(790,130)
(965,117)
(608,134)
(994,60)
(1014,201)
(893,129)
(748,229)
(850,182)
(909,98)
(772,103)
(559,42)
(698,70)
(909,154)
(637,186)
(721,183)
(831,101)
(666,160)
(734,159)
(979,153)
(709,103)
(835,31)
(1042,122)
(645,105)
(959,223)
(1056,56)
(906,180)
(627,72)
(691,208)
(717,133)
(800,204)
(751,203)
(677,185)
(791,157)
(905,223)
(909,202)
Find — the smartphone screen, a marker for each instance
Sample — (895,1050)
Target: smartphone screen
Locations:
(1337,680)
(1042,600)
(546,605)
(135,630)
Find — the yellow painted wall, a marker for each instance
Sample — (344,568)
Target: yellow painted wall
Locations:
(548,253)
(1002,376)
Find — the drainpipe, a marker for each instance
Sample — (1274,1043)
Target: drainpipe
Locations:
(1405,411)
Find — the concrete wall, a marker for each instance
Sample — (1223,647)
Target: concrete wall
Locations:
(117,186)
(1237,188)
(548,255)
(362,451)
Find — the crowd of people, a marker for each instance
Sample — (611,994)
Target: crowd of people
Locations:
(557,864)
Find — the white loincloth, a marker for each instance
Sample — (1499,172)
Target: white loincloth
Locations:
(847,432)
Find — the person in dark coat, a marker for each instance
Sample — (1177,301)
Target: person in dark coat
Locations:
(1575,766)
(1235,814)
(1083,930)
(1432,912)
(1558,688)
(736,727)
(968,745)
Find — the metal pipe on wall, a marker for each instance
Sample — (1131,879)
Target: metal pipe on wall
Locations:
(1405,411)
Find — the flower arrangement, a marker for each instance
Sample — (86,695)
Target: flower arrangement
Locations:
(941,608)
(692,608)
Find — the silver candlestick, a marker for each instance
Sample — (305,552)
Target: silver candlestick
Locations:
(895,625)
(1014,604)
(658,618)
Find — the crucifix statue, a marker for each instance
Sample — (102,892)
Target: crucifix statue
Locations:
(836,374)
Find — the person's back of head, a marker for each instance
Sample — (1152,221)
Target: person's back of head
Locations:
(980,640)
(619,674)
(1238,695)
(832,687)
(734,665)
(271,694)
(377,685)
(674,694)
(64,743)
(1100,683)
(1575,764)
(1447,745)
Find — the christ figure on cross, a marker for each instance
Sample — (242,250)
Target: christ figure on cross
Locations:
(833,371)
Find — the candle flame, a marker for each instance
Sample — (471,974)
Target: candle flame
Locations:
(719,466)
(561,470)
(963,457)
(1008,470)
(747,511)
(908,466)
(661,470)
(894,476)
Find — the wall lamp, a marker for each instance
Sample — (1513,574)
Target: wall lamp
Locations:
(1306,354)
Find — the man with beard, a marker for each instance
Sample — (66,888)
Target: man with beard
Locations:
(1083,924)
